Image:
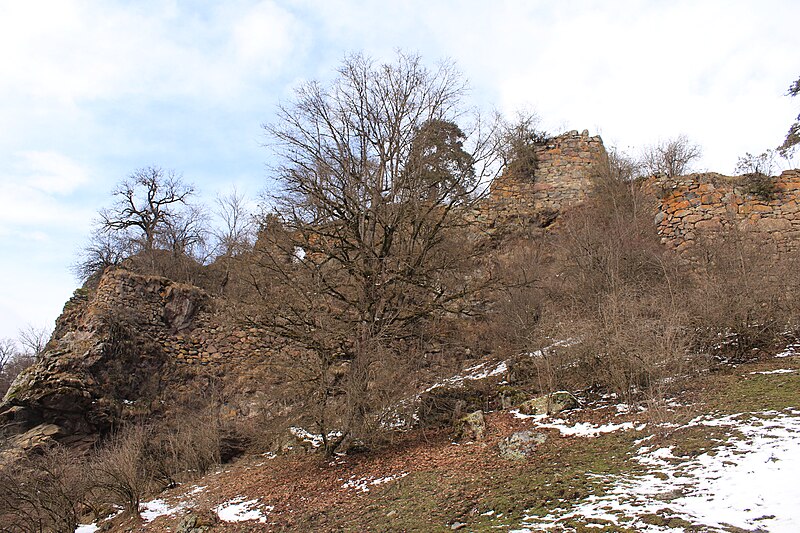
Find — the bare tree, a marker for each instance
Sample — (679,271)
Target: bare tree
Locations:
(146,202)
(13,360)
(152,222)
(622,166)
(377,185)
(104,250)
(670,158)
(8,351)
(34,339)
(186,233)
(793,135)
(235,234)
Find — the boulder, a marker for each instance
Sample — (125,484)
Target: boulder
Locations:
(471,427)
(520,445)
(198,522)
(440,406)
(549,404)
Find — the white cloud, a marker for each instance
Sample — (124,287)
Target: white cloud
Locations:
(91,90)
(35,192)
(263,38)
(51,172)
(72,51)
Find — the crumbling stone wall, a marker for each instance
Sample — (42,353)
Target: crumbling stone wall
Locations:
(701,205)
(566,166)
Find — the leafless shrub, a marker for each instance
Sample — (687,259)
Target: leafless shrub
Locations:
(513,326)
(745,296)
(614,302)
(610,246)
(670,158)
(756,172)
(44,493)
(122,471)
(187,447)
(635,346)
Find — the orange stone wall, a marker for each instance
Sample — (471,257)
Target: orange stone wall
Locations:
(699,205)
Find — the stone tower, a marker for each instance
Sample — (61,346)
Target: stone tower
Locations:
(566,166)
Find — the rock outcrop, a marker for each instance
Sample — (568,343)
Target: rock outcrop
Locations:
(105,362)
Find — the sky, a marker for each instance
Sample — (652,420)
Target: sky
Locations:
(92,90)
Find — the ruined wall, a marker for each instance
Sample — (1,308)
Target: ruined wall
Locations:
(120,349)
(700,205)
(566,166)
(180,318)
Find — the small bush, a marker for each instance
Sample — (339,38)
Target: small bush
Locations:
(760,185)
(122,470)
(756,175)
(144,459)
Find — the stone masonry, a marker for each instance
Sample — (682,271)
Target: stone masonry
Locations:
(566,167)
(699,205)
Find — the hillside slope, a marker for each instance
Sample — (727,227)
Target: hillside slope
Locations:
(721,456)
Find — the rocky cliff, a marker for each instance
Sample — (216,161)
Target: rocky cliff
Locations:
(105,362)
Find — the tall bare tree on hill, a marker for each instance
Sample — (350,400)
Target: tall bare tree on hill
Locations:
(377,186)
(151,214)
(146,202)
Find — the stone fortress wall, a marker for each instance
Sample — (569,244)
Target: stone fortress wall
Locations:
(699,205)
(688,207)
(183,321)
(180,318)
(566,166)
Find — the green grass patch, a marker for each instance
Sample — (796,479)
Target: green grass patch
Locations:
(760,392)
(566,472)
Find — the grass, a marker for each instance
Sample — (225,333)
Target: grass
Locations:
(569,470)
(484,498)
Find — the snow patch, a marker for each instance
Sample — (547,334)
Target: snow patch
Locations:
(473,373)
(749,483)
(87,528)
(778,371)
(522,416)
(151,510)
(790,350)
(363,484)
(240,510)
(586,429)
(314,439)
